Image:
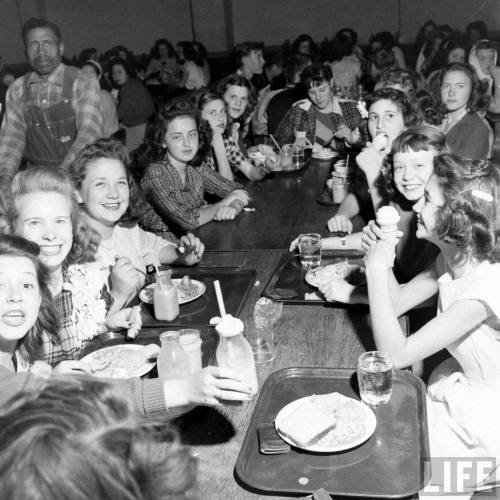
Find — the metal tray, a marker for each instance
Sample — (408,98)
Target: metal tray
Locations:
(235,283)
(391,464)
(290,173)
(289,276)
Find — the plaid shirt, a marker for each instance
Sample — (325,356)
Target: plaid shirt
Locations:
(302,116)
(85,102)
(180,204)
(233,153)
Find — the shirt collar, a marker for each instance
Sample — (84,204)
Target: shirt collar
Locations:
(55,78)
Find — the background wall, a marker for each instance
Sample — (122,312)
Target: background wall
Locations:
(137,23)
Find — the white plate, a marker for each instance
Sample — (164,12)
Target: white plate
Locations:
(146,294)
(363,413)
(337,270)
(108,358)
(330,156)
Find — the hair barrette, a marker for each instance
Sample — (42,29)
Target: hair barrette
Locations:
(361,106)
(482,195)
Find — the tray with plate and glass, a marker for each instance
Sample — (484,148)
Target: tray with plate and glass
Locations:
(290,283)
(387,460)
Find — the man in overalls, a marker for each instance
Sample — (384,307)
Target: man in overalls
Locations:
(51,112)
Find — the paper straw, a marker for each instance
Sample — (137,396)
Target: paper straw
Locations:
(347,161)
(276,142)
(220,300)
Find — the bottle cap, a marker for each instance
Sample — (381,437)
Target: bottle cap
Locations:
(229,326)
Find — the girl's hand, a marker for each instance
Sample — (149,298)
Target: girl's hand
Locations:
(340,224)
(226,212)
(370,161)
(335,289)
(381,254)
(72,367)
(193,249)
(213,384)
(372,233)
(217,138)
(125,280)
(129,319)
(349,136)
(238,194)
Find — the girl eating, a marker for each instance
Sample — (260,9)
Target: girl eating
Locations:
(225,155)
(174,186)
(27,313)
(390,112)
(111,205)
(459,214)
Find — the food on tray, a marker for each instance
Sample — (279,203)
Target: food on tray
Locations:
(120,361)
(265,149)
(352,273)
(387,219)
(327,421)
(187,289)
(324,153)
(307,423)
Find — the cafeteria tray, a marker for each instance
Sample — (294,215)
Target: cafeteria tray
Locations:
(390,464)
(289,277)
(235,284)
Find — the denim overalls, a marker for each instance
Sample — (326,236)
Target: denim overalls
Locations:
(50,132)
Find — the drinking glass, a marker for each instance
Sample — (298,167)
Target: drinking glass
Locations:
(375,377)
(190,341)
(310,250)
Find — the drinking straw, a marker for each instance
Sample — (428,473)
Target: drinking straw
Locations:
(347,161)
(220,300)
(156,265)
(276,142)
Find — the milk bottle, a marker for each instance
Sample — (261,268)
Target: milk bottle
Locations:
(235,352)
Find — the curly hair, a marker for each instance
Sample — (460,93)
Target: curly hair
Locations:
(155,50)
(201,98)
(469,216)
(404,103)
(49,180)
(180,107)
(78,437)
(240,81)
(48,320)
(479,97)
(421,138)
(243,49)
(113,150)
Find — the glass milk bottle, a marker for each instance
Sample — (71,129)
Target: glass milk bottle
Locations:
(165,299)
(172,362)
(235,352)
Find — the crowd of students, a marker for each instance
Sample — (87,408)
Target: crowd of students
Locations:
(77,240)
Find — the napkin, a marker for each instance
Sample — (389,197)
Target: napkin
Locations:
(270,442)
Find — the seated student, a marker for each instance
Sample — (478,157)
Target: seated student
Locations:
(325,119)
(396,78)
(111,204)
(389,113)
(249,59)
(224,155)
(174,187)
(459,214)
(28,314)
(407,169)
(44,210)
(241,99)
(78,437)
(193,76)
(467,134)
(346,66)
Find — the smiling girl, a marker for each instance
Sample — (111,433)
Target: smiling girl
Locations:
(390,112)
(44,210)
(459,214)
(174,187)
(111,204)
(225,155)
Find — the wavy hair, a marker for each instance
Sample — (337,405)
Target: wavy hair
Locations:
(155,50)
(113,150)
(404,103)
(469,217)
(79,438)
(421,138)
(48,320)
(201,98)
(239,81)
(479,97)
(86,241)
